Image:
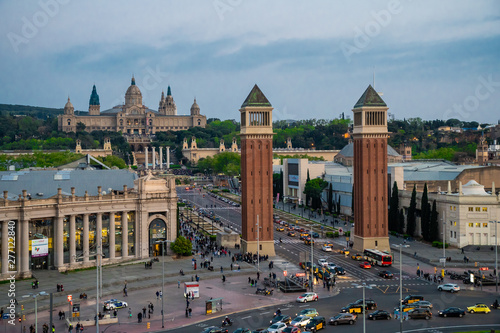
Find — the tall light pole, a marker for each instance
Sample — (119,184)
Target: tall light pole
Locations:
(401,285)
(163,278)
(42,293)
(364,285)
(312,254)
(496,254)
(444,243)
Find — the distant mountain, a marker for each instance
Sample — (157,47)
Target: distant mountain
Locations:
(33,111)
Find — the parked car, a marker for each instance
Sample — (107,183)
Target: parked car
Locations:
(379,314)
(451,287)
(420,313)
(343,318)
(452,312)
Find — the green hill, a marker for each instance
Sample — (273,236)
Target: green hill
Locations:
(27,110)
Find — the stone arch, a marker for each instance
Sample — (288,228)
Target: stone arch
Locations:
(157,231)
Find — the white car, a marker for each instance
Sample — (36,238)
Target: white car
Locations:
(115,304)
(276,327)
(327,248)
(300,321)
(307,297)
(323,262)
(331,266)
(451,287)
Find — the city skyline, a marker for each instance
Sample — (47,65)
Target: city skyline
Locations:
(312,60)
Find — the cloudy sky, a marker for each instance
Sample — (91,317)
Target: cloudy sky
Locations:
(312,59)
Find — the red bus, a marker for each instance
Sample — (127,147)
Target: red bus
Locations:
(380,258)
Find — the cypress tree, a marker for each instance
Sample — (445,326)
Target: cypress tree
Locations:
(280,185)
(433,224)
(338,205)
(411,220)
(394,208)
(330,198)
(307,196)
(425,214)
(401,221)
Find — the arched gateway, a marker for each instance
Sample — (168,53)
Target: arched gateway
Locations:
(157,233)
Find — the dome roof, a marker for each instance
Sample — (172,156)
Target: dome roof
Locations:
(473,188)
(195,106)
(68,104)
(133,89)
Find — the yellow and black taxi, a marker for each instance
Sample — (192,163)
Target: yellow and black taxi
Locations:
(304,235)
(479,308)
(352,308)
(345,251)
(316,324)
(308,241)
(280,228)
(325,274)
(291,233)
(307,266)
(357,256)
(412,299)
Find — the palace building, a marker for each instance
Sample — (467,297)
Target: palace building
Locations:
(132,118)
(60,219)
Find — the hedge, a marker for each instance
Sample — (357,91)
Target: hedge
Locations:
(439,244)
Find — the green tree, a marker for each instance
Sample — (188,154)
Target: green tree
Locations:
(394,208)
(182,246)
(401,221)
(330,198)
(412,213)
(313,189)
(433,224)
(425,214)
(308,179)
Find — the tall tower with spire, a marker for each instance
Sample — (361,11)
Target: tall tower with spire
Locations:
(256,173)
(370,172)
(94,105)
(169,107)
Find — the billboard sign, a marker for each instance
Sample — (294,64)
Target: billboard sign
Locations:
(39,247)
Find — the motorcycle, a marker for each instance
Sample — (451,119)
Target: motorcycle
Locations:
(495,305)
(264,291)
(227,323)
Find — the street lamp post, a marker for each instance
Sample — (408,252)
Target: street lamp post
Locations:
(444,243)
(43,293)
(401,285)
(163,278)
(364,285)
(496,254)
(312,262)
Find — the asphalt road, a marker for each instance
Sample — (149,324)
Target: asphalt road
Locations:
(384,292)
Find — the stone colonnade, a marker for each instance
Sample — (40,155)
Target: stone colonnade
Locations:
(153,158)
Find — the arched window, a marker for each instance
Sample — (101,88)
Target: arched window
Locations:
(199,122)
(121,122)
(69,122)
(150,121)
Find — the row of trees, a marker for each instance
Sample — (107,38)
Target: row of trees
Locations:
(428,215)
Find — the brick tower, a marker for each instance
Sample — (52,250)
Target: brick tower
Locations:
(257,173)
(370,172)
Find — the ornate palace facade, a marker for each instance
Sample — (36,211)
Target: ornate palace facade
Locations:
(132,118)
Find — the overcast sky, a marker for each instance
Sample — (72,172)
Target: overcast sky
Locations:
(312,59)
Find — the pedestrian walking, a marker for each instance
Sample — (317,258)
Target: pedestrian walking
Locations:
(258,276)
(139,317)
(189,311)
(161,294)
(223,278)
(144,311)
(157,294)
(178,284)
(221,269)
(70,328)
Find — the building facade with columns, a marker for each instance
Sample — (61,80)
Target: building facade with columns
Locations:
(56,217)
(132,118)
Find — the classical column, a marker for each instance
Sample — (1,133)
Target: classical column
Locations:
(98,232)
(72,239)
(146,158)
(5,247)
(59,244)
(19,233)
(168,157)
(112,249)
(25,248)
(161,157)
(124,235)
(153,157)
(85,237)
